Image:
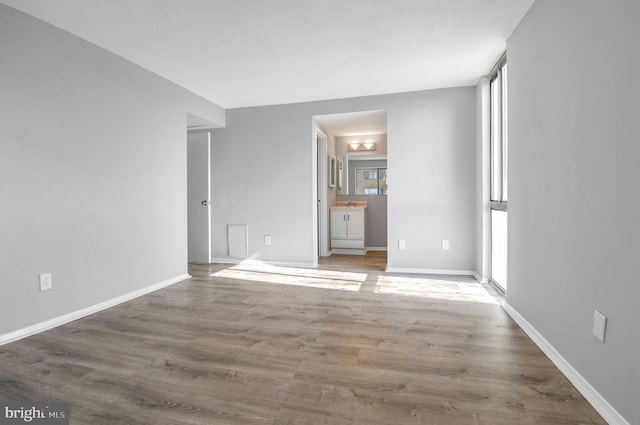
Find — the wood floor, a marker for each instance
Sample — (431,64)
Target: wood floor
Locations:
(341,345)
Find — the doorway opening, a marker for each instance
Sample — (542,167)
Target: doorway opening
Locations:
(351,151)
(199,197)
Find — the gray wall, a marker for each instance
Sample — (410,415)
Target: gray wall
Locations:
(574,196)
(431,158)
(92,173)
(264,157)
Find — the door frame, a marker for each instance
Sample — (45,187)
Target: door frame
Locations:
(321,193)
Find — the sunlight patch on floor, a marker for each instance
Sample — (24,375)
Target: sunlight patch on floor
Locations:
(434,288)
(327,279)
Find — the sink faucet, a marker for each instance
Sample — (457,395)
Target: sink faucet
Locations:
(350,203)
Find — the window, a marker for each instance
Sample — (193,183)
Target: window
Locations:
(371,181)
(499,181)
(371,175)
(499,138)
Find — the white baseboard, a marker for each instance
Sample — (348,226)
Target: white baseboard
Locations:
(263,263)
(602,406)
(376,248)
(78,314)
(430,271)
(226,260)
(479,278)
(348,251)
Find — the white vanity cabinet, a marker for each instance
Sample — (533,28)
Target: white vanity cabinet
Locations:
(347,230)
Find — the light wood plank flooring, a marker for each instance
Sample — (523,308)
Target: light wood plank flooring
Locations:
(346,344)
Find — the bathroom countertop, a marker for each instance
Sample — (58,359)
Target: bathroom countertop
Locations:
(344,205)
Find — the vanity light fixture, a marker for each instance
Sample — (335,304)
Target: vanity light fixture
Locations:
(367,145)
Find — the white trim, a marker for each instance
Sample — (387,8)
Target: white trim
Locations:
(323,196)
(484,179)
(315,243)
(78,314)
(221,260)
(430,271)
(376,248)
(602,406)
(480,278)
(264,263)
(348,251)
(209,195)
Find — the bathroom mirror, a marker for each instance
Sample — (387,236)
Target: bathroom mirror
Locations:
(365,175)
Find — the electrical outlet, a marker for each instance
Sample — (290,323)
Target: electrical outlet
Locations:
(46,282)
(445,244)
(599,325)
(402,244)
(267,239)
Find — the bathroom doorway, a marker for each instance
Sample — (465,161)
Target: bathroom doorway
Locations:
(352,152)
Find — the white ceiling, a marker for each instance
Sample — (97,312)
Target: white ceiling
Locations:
(354,123)
(257,52)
